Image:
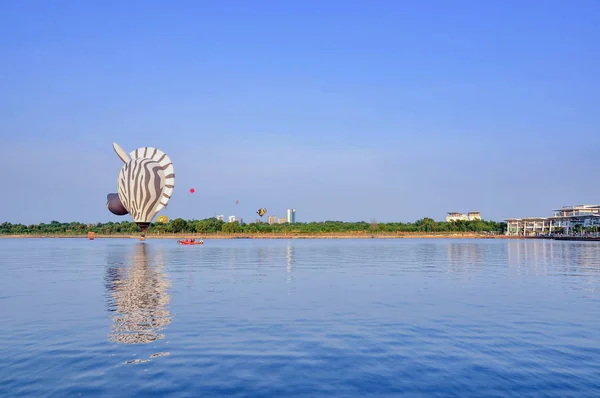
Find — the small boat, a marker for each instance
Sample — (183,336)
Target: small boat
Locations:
(189,242)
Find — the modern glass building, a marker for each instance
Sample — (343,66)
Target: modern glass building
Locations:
(291,216)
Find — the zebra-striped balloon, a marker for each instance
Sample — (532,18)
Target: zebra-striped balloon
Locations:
(145,183)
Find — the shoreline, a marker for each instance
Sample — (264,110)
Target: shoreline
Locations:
(322,235)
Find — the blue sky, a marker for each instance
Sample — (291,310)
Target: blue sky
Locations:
(347,110)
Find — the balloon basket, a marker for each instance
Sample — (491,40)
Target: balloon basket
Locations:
(144,226)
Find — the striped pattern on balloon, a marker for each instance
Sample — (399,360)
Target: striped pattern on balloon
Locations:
(165,162)
(140,188)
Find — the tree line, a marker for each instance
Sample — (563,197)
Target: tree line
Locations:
(213,225)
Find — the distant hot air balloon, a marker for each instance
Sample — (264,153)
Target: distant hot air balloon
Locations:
(261,212)
(145,184)
(162,219)
(192,190)
(237,201)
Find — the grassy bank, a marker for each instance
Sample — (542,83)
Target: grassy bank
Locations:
(319,235)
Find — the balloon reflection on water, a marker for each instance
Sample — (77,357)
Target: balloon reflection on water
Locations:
(139,298)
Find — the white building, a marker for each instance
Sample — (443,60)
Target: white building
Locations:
(563,221)
(470,216)
(220,217)
(291,216)
(231,219)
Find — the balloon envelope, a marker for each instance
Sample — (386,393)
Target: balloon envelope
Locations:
(114,205)
(141,183)
(145,182)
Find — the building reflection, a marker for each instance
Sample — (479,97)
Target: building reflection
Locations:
(289,261)
(289,257)
(541,256)
(138,297)
(464,256)
(531,256)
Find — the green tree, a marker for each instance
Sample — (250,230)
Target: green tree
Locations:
(178,225)
(231,227)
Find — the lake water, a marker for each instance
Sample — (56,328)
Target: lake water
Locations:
(299,318)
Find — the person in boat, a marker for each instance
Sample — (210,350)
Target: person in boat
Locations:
(193,240)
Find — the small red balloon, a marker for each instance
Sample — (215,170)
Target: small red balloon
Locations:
(192,190)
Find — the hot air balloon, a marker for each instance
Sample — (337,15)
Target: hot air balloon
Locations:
(162,219)
(261,212)
(192,190)
(145,184)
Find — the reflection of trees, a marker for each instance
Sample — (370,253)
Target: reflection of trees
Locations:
(139,299)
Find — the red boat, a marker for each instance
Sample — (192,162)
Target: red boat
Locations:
(190,242)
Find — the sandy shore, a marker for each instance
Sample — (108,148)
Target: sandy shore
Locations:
(281,236)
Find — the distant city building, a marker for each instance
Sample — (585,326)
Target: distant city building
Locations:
(470,216)
(272,219)
(221,217)
(291,216)
(563,220)
(282,221)
(231,219)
